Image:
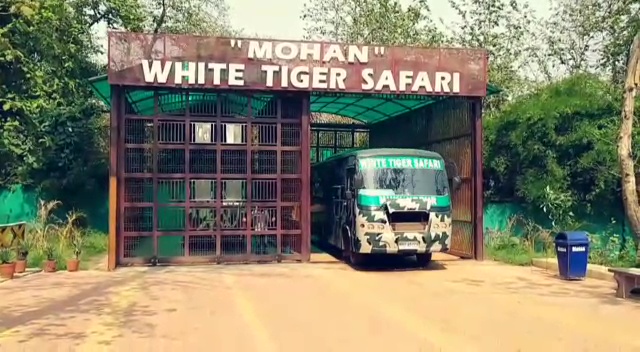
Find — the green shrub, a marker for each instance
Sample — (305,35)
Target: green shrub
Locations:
(612,250)
(505,246)
(51,238)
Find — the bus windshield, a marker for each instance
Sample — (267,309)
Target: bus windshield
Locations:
(405,175)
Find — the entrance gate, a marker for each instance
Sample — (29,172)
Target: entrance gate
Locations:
(217,178)
(210,137)
(447,127)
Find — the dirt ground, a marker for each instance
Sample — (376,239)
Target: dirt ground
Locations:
(455,306)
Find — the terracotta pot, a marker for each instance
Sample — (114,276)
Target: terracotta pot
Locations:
(21,266)
(50,266)
(72,265)
(7,270)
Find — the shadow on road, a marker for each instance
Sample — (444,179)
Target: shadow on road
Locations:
(381,262)
(62,306)
(544,283)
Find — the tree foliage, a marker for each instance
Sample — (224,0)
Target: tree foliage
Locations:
(53,130)
(591,36)
(201,17)
(44,63)
(504,28)
(383,22)
(558,141)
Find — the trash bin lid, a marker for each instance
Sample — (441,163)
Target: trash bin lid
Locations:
(573,237)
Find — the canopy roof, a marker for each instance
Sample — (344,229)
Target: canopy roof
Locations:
(367,108)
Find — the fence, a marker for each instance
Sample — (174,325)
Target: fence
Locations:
(19,204)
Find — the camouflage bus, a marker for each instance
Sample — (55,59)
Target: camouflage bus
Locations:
(383,201)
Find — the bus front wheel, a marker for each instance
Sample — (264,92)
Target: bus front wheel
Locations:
(424,259)
(355,258)
(348,255)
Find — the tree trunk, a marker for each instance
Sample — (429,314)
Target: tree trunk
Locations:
(629,191)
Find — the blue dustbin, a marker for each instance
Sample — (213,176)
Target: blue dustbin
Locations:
(572,249)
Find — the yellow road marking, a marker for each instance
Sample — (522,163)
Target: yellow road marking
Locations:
(8,334)
(265,342)
(419,326)
(108,324)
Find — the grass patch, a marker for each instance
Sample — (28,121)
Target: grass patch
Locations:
(610,250)
(507,247)
(94,246)
(519,256)
(51,238)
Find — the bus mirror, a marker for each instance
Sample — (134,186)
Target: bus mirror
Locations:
(456,182)
(348,195)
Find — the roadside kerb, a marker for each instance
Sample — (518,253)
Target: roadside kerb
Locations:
(598,272)
(27,272)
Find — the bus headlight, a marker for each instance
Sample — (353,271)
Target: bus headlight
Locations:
(370,226)
(380,227)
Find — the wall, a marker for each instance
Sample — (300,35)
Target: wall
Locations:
(19,204)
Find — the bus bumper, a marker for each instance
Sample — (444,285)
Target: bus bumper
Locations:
(401,242)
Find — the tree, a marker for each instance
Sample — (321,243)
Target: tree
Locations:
(561,137)
(384,22)
(625,151)
(46,106)
(591,36)
(125,14)
(199,17)
(504,28)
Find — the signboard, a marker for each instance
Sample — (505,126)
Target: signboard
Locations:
(401,163)
(213,62)
(377,200)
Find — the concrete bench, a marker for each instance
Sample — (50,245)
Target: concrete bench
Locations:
(628,282)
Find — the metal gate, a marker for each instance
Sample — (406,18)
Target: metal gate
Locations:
(329,139)
(207,177)
(445,127)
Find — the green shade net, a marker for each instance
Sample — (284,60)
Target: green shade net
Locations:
(366,108)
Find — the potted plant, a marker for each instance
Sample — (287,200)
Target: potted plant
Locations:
(7,265)
(22,252)
(44,233)
(76,246)
(50,264)
(71,237)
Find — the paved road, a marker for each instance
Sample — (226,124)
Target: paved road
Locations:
(455,306)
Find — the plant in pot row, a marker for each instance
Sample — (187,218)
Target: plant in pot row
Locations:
(7,264)
(70,242)
(22,253)
(73,264)
(50,264)
(72,239)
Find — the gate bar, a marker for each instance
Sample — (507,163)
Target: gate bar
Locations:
(187,170)
(305,206)
(116,102)
(478,194)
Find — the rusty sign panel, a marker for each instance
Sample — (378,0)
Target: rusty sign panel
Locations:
(211,62)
